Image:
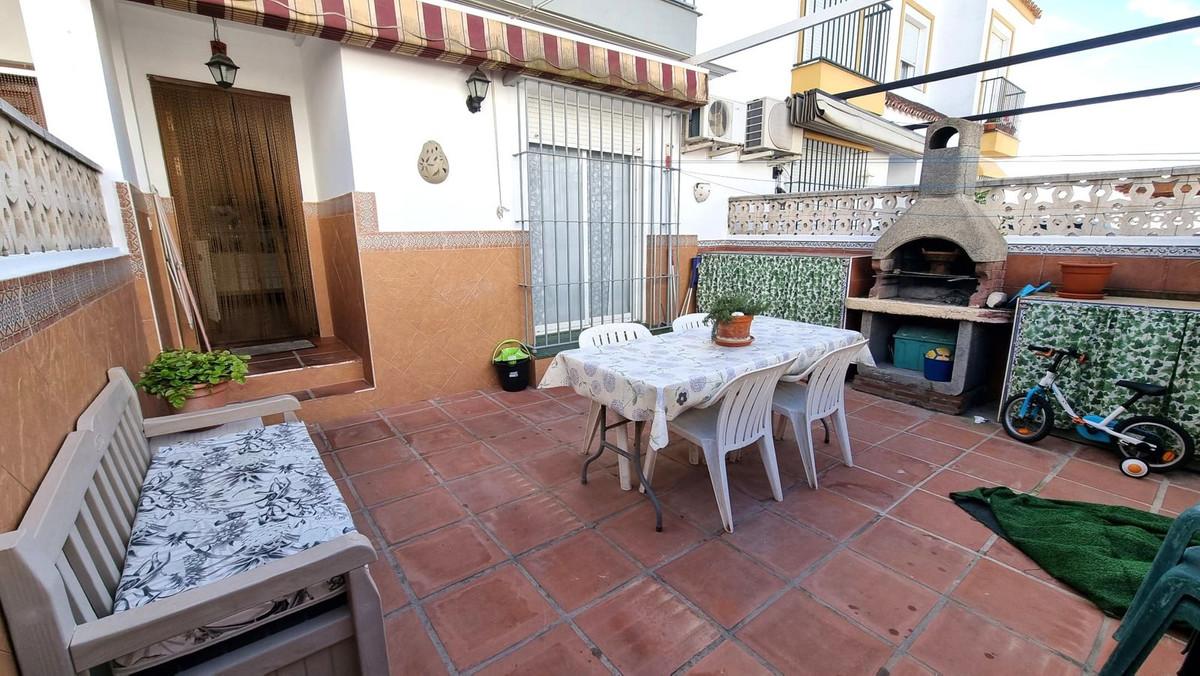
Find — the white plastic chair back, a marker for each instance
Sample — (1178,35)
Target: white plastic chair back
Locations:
(691,321)
(827,380)
(745,413)
(611,334)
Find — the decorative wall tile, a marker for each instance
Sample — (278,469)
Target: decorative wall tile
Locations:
(465,239)
(14,327)
(30,304)
(129,220)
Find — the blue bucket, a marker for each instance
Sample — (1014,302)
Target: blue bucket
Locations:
(938,371)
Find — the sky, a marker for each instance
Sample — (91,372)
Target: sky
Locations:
(1142,133)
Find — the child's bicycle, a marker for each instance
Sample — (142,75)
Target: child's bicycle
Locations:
(1147,442)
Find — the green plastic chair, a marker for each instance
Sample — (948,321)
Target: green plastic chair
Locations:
(1169,594)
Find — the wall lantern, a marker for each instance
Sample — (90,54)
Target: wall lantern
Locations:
(477,86)
(223,69)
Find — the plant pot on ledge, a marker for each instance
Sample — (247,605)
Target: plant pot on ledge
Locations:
(1084,281)
(730,317)
(193,381)
(205,397)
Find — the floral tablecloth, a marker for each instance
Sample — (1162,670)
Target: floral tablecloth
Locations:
(658,378)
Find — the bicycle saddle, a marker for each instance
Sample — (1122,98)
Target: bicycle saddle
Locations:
(1144,388)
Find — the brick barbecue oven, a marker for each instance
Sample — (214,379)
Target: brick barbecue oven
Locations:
(934,270)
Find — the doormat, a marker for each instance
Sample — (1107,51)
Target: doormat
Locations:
(272,348)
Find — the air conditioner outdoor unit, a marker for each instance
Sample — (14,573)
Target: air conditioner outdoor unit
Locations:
(767,126)
(720,120)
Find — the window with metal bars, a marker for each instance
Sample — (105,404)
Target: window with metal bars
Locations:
(600,202)
(827,166)
(21,91)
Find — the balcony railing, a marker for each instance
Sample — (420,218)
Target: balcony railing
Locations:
(997,94)
(856,42)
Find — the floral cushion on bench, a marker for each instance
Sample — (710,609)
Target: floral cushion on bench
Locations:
(217,507)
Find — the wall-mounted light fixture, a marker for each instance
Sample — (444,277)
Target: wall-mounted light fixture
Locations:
(223,69)
(477,87)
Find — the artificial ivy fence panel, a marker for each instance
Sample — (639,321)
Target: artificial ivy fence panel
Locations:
(808,289)
(1154,345)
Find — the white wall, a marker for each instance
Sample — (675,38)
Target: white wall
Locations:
(394,105)
(329,130)
(765,70)
(175,44)
(13,45)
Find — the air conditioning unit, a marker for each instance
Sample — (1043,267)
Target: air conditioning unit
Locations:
(767,126)
(720,120)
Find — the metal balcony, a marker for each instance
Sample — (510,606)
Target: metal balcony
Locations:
(998,94)
(856,42)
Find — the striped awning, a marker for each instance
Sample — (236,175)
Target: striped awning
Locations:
(424,29)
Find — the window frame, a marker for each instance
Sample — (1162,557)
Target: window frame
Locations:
(923,19)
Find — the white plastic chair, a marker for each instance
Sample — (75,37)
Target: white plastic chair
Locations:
(691,321)
(599,336)
(743,418)
(816,394)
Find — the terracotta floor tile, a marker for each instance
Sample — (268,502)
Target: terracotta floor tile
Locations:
(410,650)
(875,596)
(471,407)
(644,629)
(1164,660)
(344,488)
(1025,455)
(331,466)
(779,544)
(543,411)
(437,439)
(344,437)
(1112,480)
(948,434)
(514,399)
(418,420)
(463,460)
(529,522)
(942,517)
(558,651)
(391,592)
(868,432)
(800,636)
(747,475)
(893,465)
(948,481)
(958,641)
(863,486)
(373,455)
(404,408)
(487,615)
(901,407)
(522,444)
(890,417)
(729,659)
(483,491)
(494,424)
(1178,499)
(1064,489)
(998,472)
(919,447)
(393,481)
(1188,480)
(579,569)
(634,532)
(554,467)
(567,430)
(824,510)
(1061,620)
(418,514)
(1060,445)
(721,581)
(595,500)
(454,553)
(693,499)
(575,402)
(915,554)
(910,667)
(1003,551)
(356,419)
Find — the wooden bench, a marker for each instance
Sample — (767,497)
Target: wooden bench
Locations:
(62,570)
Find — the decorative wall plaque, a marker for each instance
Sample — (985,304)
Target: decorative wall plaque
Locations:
(432,163)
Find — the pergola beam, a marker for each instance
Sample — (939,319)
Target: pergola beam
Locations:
(782,30)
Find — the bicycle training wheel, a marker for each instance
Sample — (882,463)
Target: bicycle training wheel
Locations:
(1173,445)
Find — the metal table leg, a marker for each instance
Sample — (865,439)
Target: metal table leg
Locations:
(634,456)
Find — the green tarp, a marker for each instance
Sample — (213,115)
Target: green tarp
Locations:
(1101,551)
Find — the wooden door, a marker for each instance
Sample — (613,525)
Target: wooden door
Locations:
(232,167)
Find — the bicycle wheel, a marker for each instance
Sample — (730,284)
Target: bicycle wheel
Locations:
(1031,427)
(1173,445)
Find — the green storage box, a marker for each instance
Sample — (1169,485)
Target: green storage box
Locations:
(910,344)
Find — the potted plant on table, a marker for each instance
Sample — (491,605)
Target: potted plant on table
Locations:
(191,380)
(730,316)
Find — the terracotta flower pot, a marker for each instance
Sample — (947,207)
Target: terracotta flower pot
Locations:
(1084,281)
(735,332)
(205,397)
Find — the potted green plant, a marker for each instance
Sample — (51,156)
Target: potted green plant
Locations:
(191,380)
(730,316)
